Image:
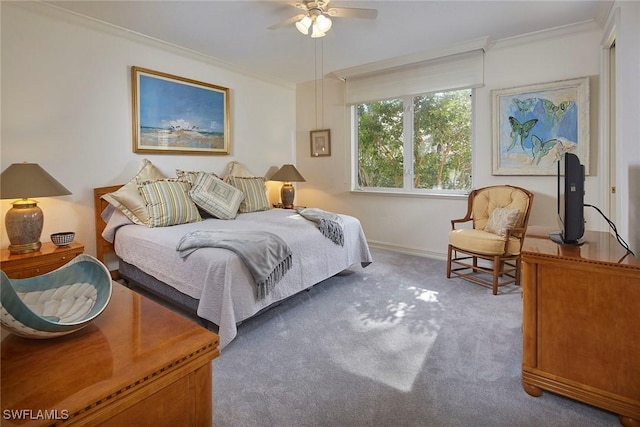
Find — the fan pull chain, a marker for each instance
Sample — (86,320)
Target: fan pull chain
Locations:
(315,81)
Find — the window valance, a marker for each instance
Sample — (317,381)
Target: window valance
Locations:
(458,71)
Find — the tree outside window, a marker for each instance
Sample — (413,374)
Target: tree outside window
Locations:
(431,133)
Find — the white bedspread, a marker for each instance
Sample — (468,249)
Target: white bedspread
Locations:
(220,280)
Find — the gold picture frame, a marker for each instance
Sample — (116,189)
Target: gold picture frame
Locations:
(320,143)
(177,115)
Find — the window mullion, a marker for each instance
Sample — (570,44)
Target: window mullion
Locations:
(407,142)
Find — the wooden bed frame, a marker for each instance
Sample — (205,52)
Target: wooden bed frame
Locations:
(102,246)
(181,303)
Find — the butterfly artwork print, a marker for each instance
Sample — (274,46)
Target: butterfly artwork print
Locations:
(561,149)
(555,113)
(535,125)
(542,148)
(525,106)
(520,131)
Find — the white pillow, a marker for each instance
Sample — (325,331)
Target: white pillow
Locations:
(236,169)
(502,219)
(127,199)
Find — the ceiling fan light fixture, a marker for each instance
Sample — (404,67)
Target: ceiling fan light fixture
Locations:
(303,25)
(324,23)
(316,33)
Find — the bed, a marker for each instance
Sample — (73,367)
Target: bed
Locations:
(214,283)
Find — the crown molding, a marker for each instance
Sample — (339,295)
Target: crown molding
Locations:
(555,32)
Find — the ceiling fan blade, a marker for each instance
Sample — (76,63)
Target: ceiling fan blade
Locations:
(352,12)
(286,22)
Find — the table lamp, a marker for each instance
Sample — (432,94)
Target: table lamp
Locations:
(287,174)
(24,220)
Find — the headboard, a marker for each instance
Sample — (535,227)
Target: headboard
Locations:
(102,246)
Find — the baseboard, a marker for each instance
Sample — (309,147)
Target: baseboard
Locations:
(407,250)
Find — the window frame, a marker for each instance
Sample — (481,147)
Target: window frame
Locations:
(408,157)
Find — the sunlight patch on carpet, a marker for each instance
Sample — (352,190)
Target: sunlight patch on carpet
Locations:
(390,350)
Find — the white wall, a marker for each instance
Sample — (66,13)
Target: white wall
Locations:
(420,225)
(627,34)
(66,104)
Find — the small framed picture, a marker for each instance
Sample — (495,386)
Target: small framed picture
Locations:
(320,143)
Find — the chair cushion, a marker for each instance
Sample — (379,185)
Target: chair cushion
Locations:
(491,198)
(482,242)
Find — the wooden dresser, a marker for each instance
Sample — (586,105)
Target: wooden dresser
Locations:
(581,322)
(138,363)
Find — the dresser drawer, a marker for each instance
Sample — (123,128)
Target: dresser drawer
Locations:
(37,263)
(43,266)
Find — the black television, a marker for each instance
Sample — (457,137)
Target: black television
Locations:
(570,201)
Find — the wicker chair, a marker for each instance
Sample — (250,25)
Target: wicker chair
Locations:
(498,216)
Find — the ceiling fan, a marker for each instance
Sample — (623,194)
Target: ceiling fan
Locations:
(316,16)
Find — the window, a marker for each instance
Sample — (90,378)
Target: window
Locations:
(415,143)
(411,120)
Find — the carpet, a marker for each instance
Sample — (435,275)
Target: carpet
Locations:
(394,344)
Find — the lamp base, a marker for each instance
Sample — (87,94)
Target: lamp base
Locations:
(24,226)
(287,194)
(24,249)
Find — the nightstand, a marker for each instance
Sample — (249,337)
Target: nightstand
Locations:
(48,258)
(281,206)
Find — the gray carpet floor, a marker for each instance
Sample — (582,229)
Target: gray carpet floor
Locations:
(394,344)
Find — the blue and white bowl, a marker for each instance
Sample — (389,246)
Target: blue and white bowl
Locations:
(56,303)
(63,238)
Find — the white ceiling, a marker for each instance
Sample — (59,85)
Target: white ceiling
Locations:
(236,31)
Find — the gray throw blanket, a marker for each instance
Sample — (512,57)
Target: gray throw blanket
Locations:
(266,255)
(329,224)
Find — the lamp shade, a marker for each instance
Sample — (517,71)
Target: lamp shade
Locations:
(24,180)
(287,173)
(24,220)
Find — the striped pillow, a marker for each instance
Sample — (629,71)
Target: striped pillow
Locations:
(216,197)
(168,202)
(254,190)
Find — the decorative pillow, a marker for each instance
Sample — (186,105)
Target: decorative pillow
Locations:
(501,219)
(216,197)
(236,169)
(128,200)
(168,202)
(191,176)
(254,190)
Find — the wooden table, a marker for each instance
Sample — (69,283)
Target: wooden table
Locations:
(138,363)
(581,322)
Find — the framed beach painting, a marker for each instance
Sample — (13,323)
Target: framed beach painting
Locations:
(533,126)
(176,115)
